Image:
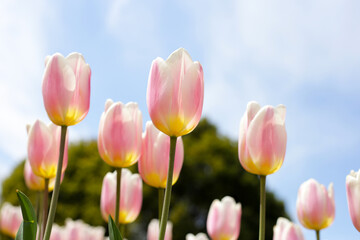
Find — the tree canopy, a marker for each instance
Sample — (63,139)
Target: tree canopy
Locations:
(211,171)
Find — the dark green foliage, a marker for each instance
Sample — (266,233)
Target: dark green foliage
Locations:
(114,233)
(211,171)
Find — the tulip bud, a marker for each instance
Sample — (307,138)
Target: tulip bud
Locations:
(224,219)
(175,93)
(10,219)
(130,197)
(315,205)
(262,139)
(66,88)
(286,230)
(120,128)
(154,160)
(35,182)
(43,149)
(153,230)
(57,233)
(199,236)
(353,197)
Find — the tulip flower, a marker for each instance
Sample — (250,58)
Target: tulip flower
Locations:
(57,233)
(175,93)
(154,161)
(78,230)
(43,149)
(130,199)
(199,236)
(286,230)
(120,128)
(10,219)
(66,88)
(224,218)
(35,182)
(315,205)
(353,197)
(153,230)
(262,138)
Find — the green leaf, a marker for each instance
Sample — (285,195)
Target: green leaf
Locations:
(28,227)
(114,232)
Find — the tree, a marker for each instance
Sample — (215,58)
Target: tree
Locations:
(211,171)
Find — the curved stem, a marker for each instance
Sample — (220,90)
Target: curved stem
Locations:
(161,201)
(117,203)
(55,195)
(166,206)
(45,206)
(317,234)
(262,207)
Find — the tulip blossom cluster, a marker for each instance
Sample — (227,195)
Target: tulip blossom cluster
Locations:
(77,230)
(10,219)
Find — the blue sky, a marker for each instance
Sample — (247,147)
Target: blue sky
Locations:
(304,54)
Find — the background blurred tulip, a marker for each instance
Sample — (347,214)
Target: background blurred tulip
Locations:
(57,233)
(10,219)
(130,198)
(224,219)
(286,230)
(353,197)
(154,161)
(66,88)
(43,149)
(262,138)
(199,236)
(35,182)
(175,93)
(153,230)
(120,128)
(315,205)
(78,230)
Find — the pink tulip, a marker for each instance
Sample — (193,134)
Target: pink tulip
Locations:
(224,219)
(286,230)
(57,233)
(175,93)
(43,149)
(153,230)
(66,88)
(78,230)
(315,205)
(120,128)
(262,139)
(35,182)
(154,161)
(10,219)
(130,197)
(199,236)
(353,197)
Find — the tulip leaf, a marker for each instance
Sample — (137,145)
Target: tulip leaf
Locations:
(114,232)
(28,227)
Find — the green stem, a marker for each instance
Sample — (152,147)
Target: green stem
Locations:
(55,195)
(166,206)
(161,201)
(45,206)
(117,203)
(122,229)
(262,207)
(317,234)
(40,210)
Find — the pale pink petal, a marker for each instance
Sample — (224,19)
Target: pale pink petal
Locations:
(353,197)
